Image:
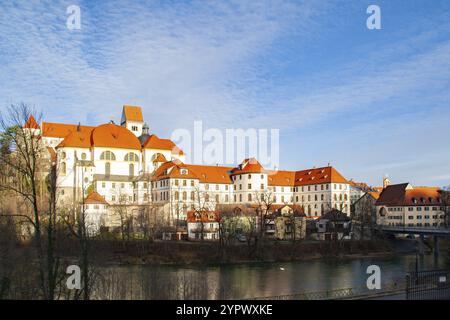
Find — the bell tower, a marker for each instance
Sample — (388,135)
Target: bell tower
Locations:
(132,119)
(386,181)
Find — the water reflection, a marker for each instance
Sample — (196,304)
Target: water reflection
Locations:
(251,280)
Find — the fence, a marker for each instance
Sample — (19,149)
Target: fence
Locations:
(428,285)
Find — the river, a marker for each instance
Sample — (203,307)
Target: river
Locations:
(246,281)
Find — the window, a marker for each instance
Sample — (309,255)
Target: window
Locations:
(249,176)
(226,198)
(217,187)
(217,198)
(249,197)
(262,186)
(249,186)
(192,195)
(122,185)
(134,128)
(184,183)
(63,168)
(107,155)
(132,157)
(83,156)
(192,183)
(63,155)
(131,170)
(184,195)
(107,169)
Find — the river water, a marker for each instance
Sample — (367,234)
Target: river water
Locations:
(246,281)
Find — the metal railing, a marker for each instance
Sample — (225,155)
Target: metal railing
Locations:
(428,285)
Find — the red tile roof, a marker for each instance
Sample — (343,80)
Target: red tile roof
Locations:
(95,198)
(305,177)
(61,130)
(31,123)
(209,216)
(114,136)
(374,194)
(401,195)
(205,174)
(76,139)
(153,142)
(133,113)
(250,165)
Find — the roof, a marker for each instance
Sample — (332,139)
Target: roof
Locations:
(31,123)
(374,194)
(298,210)
(250,165)
(94,197)
(335,215)
(205,174)
(62,130)
(153,142)
(360,185)
(305,177)
(76,139)
(114,136)
(132,113)
(209,216)
(211,174)
(405,195)
(160,158)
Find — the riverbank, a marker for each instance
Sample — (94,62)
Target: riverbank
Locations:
(181,253)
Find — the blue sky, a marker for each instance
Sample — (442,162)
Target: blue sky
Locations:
(371,102)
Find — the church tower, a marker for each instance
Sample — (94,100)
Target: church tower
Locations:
(386,181)
(132,119)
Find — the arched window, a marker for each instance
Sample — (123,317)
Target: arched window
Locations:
(107,169)
(133,157)
(177,195)
(63,168)
(345,197)
(107,155)
(184,195)
(131,170)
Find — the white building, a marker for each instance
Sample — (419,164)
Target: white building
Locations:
(405,205)
(129,166)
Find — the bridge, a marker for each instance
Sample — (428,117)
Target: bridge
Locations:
(433,231)
(436,232)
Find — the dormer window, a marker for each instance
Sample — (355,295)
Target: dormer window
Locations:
(134,128)
(414,200)
(430,199)
(184,171)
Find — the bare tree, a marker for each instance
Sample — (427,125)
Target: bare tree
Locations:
(33,179)
(264,202)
